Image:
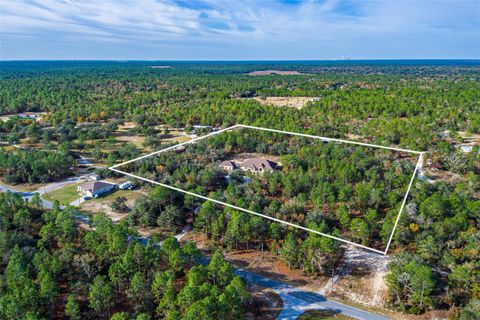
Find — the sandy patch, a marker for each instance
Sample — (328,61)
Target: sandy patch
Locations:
(126,126)
(291,102)
(136,140)
(271,72)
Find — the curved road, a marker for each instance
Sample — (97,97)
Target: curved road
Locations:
(41,191)
(296,301)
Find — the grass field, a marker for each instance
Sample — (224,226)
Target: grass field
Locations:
(63,195)
(129,194)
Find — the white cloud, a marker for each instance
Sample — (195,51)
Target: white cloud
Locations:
(310,29)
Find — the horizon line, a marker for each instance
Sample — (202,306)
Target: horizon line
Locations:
(245,60)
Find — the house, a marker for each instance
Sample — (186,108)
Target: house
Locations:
(30,115)
(252,165)
(94,189)
(258,165)
(228,165)
(203,128)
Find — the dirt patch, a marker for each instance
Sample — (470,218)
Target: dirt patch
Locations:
(276,72)
(136,140)
(360,277)
(469,138)
(127,126)
(147,232)
(263,263)
(102,204)
(442,175)
(291,102)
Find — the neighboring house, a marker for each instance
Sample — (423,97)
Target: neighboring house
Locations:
(30,115)
(253,165)
(94,189)
(198,128)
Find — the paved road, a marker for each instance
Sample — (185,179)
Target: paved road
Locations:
(296,301)
(26,196)
(56,185)
(45,189)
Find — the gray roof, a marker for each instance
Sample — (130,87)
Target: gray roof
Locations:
(257,163)
(94,186)
(228,163)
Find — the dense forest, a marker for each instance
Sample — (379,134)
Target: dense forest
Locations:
(430,106)
(343,190)
(53,269)
(34,166)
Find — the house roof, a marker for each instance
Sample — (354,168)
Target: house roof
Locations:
(228,163)
(94,186)
(257,163)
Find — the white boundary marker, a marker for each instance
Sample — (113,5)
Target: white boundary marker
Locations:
(420,153)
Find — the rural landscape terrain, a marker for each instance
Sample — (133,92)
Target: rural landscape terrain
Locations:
(79,240)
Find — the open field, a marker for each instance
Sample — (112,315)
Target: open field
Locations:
(136,140)
(102,204)
(63,195)
(274,72)
(292,102)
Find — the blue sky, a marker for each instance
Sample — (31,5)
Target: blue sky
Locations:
(239,30)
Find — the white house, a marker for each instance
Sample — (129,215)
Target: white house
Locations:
(94,189)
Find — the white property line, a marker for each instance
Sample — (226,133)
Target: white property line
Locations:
(114,168)
(419,161)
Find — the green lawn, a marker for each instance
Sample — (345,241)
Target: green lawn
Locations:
(63,195)
(323,315)
(129,194)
